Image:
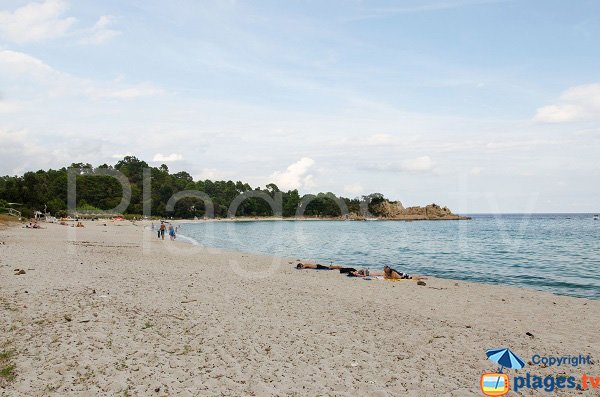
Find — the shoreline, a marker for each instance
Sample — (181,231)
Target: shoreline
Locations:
(273,218)
(112,309)
(329,261)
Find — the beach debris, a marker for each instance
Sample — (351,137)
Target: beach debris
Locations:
(190,301)
(468,326)
(19,272)
(147,325)
(421,282)
(85,321)
(529,334)
(157,389)
(68,318)
(176,317)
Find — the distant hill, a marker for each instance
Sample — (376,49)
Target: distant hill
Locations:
(35,190)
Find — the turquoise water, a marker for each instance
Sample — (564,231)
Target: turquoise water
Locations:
(556,253)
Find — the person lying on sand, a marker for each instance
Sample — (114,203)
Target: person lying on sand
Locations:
(388,272)
(366,273)
(317,266)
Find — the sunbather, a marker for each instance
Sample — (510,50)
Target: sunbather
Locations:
(366,273)
(317,266)
(388,273)
(394,274)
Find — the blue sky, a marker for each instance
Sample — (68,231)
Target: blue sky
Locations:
(484,106)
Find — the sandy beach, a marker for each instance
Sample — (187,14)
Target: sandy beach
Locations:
(113,311)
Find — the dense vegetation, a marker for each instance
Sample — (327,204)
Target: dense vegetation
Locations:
(34,190)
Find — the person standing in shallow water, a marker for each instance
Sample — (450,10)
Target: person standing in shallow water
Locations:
(171,232)
(162,231)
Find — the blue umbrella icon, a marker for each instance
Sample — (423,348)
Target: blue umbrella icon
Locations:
(506,358)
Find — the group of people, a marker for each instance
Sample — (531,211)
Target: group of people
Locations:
(172,230)
(33,226)
(388,272)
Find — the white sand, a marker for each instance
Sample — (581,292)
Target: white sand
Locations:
(253,326)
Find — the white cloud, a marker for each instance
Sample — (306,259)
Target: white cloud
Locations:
(419,164)
(296,176)
(577,103)
(354,188)
(586,94)
(140,90)
(57,84)
(212,174)
(19,63)
(515,144)
(121,155)
(476,171)
(102,31)
(20,153)
(558,113)
(380,139)
(36,22)
(167,158)
(9,107)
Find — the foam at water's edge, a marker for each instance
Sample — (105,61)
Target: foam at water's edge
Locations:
(188,239)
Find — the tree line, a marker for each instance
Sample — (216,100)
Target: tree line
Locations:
(35,191)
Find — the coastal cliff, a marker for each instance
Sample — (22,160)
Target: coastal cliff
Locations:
(396,211)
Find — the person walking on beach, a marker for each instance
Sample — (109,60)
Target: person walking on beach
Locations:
(162,231)
(171,232)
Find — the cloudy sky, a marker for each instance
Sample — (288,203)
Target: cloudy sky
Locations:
(484,106)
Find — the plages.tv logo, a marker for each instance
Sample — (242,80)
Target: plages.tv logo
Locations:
(498,383)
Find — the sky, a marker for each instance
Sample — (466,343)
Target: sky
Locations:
(480,105)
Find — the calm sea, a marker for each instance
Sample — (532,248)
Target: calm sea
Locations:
(552,252)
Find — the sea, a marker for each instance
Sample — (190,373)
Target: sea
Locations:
(558,253)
